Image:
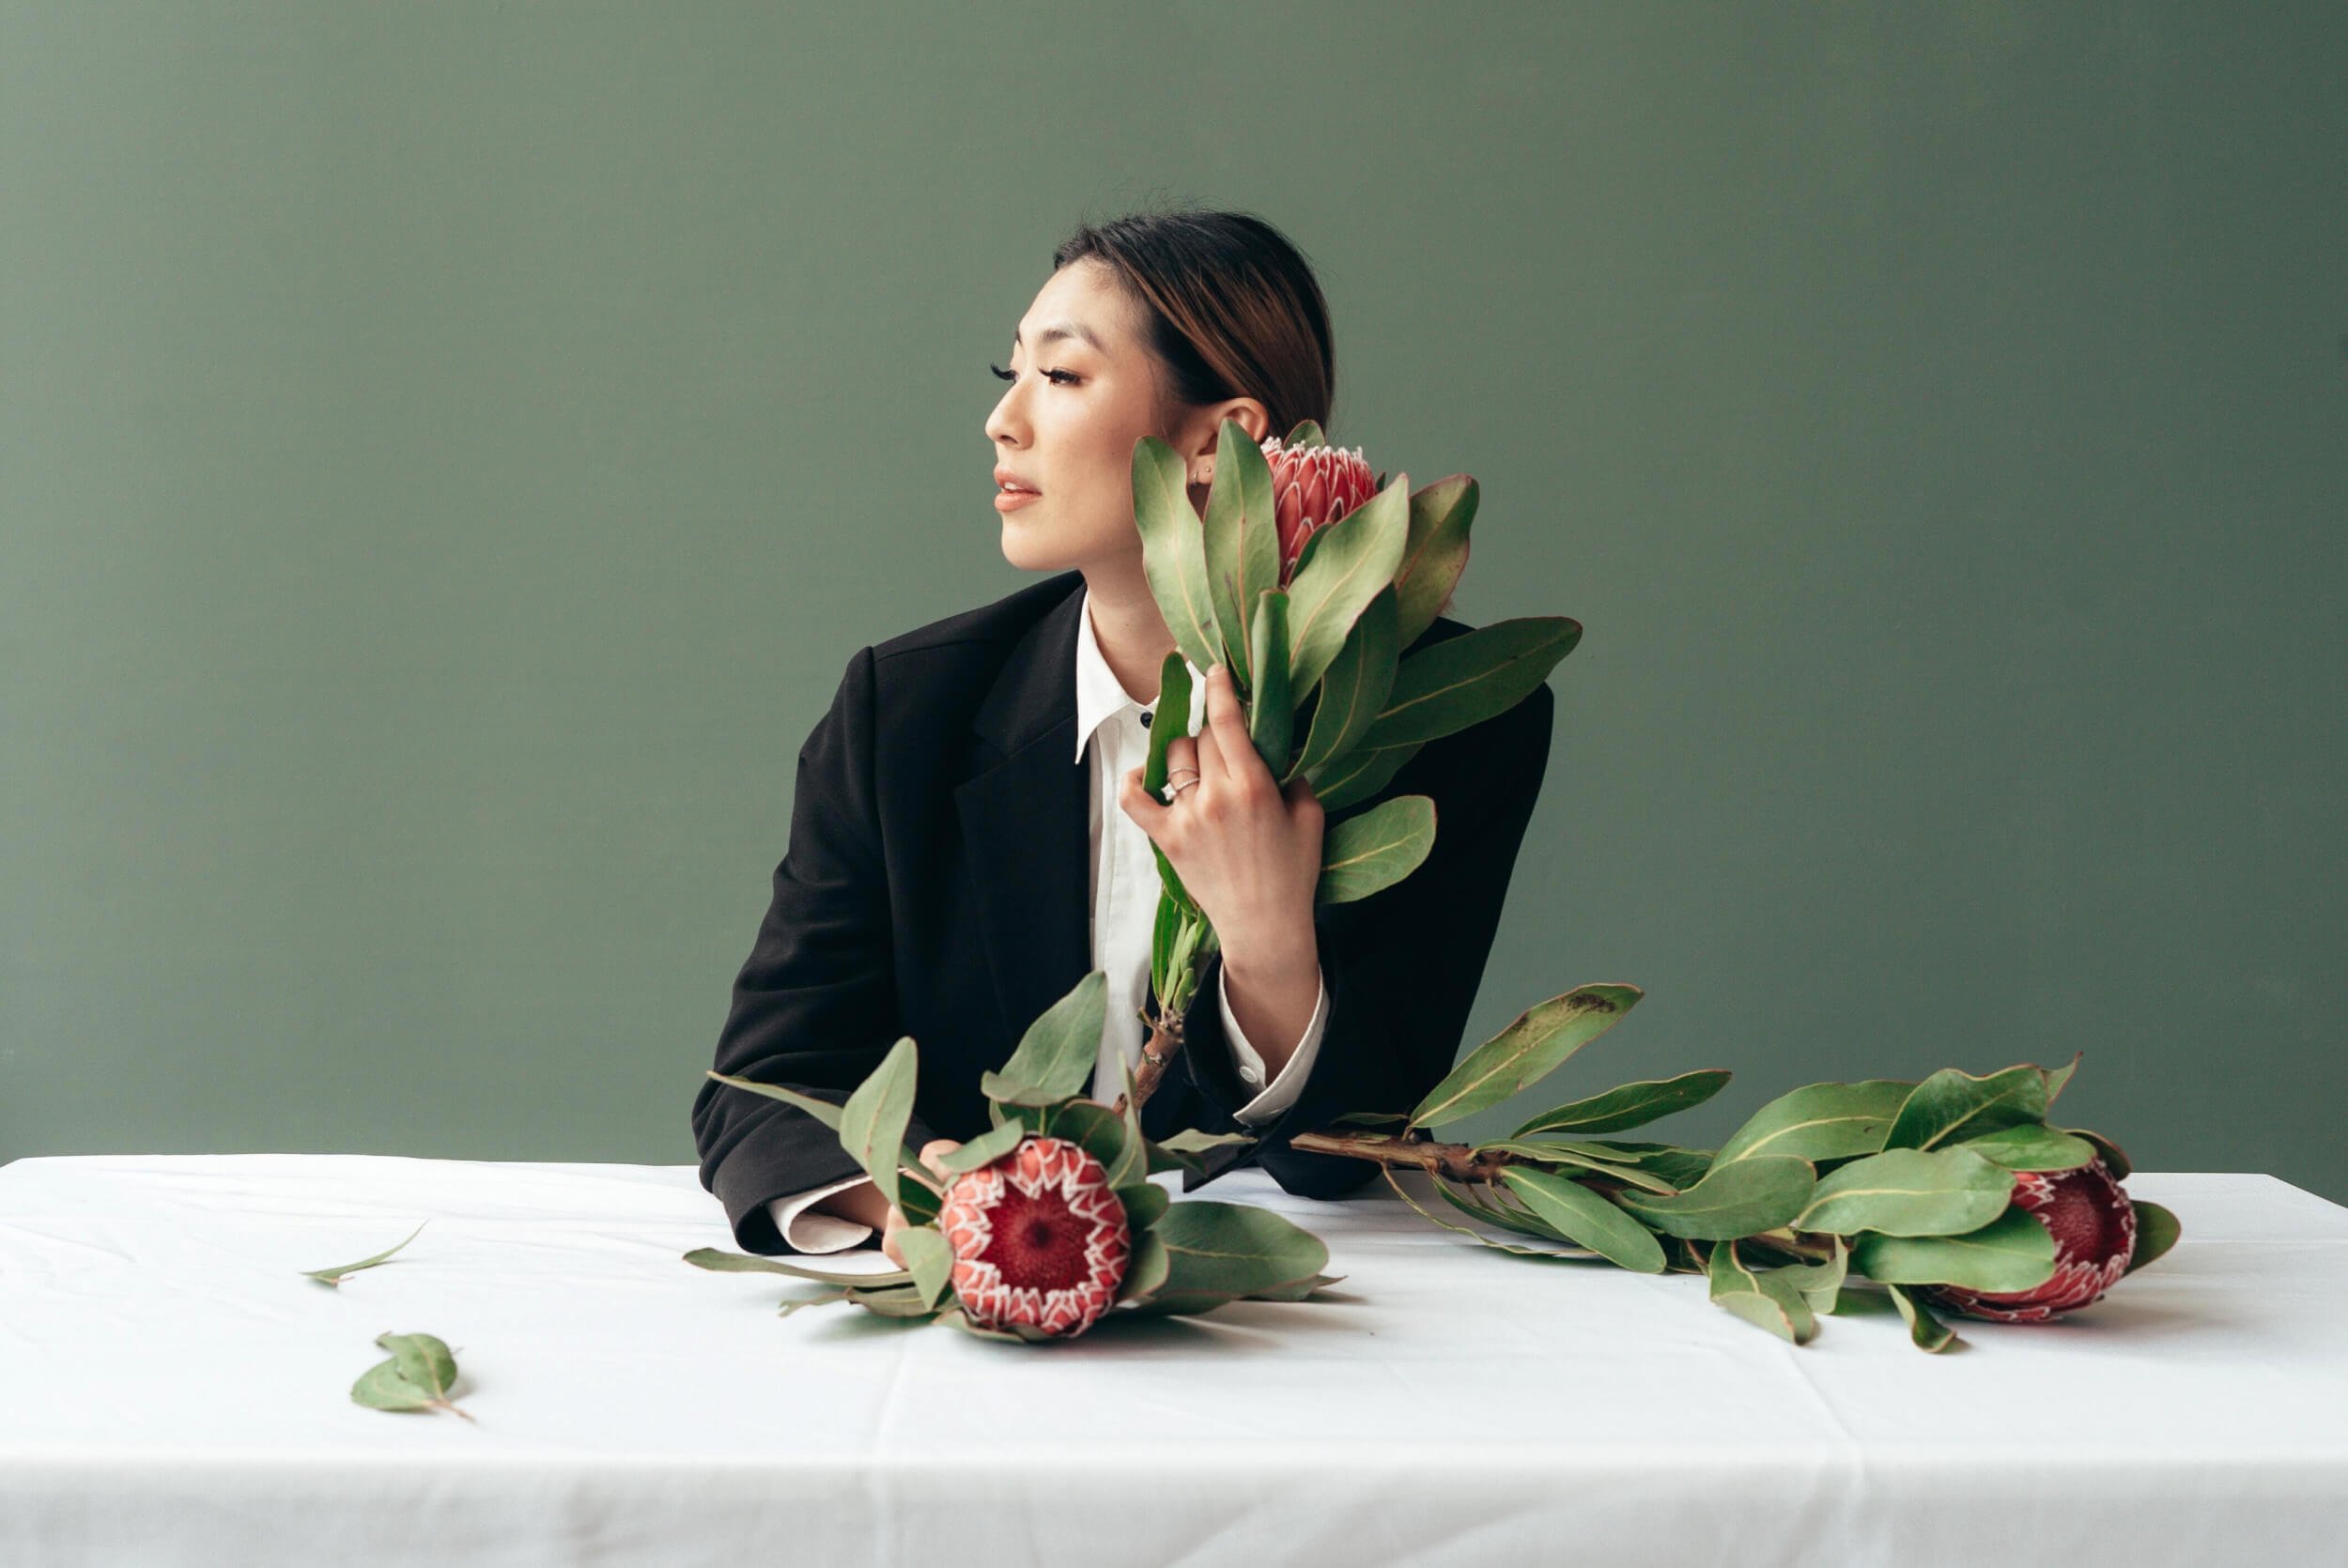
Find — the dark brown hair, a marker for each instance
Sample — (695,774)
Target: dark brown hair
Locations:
(1232,308)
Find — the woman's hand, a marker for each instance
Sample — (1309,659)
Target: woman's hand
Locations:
(1248,853)
(931,1152)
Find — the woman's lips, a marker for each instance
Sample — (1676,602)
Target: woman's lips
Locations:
(1012,501)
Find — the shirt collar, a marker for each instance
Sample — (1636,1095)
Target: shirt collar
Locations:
(1100,696)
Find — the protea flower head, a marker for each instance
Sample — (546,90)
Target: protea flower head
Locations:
(1313,487)
(2094,1227)
(1038,1238)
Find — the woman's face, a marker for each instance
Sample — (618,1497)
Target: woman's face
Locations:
(1068,420)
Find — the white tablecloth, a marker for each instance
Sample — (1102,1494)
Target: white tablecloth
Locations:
(173,1391)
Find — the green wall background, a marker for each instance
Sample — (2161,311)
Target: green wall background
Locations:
(449,454)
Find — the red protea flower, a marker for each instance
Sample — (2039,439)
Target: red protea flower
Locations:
(1038,1238)
(2094,1227)
(1313,487)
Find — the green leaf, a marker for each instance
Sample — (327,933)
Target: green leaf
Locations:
(2157,1230)
(1099,1131)
(2061,1075)
(1145,1267)
(1820,1121)
(1344,567)
(873,1123)
(1169,718)
(1536,1044)
(1306,433)
(1951,1106)
(891,1300)
(383,1387)
(1580,1158)
(1909,1192)
(929,1258)
(1242,548)
(334,1276)
(1295,1290)
(424,1360)
(1144,1202)
(1271,716)
(820,1298)
(1741,1199)
(1400,1192)
(418,1377)
(1493,1212)
(1375,850)
(2032,1146)
(721,1262)
(1588,1218)
(985,1150)
(1821,1282)
(1434,554)
(1353,688)
(1227,1250)
(1174,551)
(1927,1331)
(1132,1147)
(1760,1296)
(1358,773)
(1629,1105)
(2013,1252)
(1056,1057)
(1447,686)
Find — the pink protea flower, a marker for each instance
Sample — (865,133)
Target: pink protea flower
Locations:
(2094,1227)
(1038,1238)
(1313,487)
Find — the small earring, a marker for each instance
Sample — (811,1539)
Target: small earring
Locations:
(1206,474)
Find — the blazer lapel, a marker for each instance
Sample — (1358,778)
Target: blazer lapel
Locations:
(1025,822)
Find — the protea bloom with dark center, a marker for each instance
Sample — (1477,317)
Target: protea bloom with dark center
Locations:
(1038,1238)
(1313,487)
(2093,1226)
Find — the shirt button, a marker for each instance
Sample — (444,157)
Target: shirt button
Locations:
(1145,719)
(1251,1075)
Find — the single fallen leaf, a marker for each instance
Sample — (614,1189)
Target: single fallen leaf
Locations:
(417,1377)
(334,1276)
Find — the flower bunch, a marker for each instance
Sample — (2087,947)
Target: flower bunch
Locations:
(1953,1191)
(1313,583)
(1048,1225)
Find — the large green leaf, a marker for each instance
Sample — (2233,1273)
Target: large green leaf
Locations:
(2032,1146)
(1146,1266)
(1174,552)
(1348,562)
(1927,1331)
(1445,686)
(1057,1056)
(2013,1252)
(1573,1254)
(1819,1121)
(1357,774)
(1435,553)
(2157,1230)
(1353,688)
(1271,718)
(1629,1105)
(1536,1044)
(1588,1218)
(986,1148)
(1951,1106)
(1218,1252)
(1375,850)
(872,1122)
(930,1258)
(1519,1220)
(1760,1296)
(1909,1192)
(1242,544)
(1169,718)
(1741,1199)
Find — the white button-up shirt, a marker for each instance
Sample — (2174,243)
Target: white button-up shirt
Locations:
(1112,727)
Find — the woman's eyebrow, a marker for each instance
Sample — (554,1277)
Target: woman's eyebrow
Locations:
(1063,329)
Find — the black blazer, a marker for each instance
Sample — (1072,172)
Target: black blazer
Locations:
(936,885)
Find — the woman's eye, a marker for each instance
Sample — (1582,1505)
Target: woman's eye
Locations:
(1053,376)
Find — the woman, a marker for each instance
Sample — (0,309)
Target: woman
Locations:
(971,835)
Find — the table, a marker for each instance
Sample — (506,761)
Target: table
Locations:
(173,1391)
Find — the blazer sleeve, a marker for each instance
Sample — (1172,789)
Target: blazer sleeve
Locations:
(1402,966)
(815,1005)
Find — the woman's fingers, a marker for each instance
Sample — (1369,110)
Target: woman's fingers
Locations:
(931,1153)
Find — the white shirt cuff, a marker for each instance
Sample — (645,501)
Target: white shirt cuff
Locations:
(805,1232)
(1281,1093)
